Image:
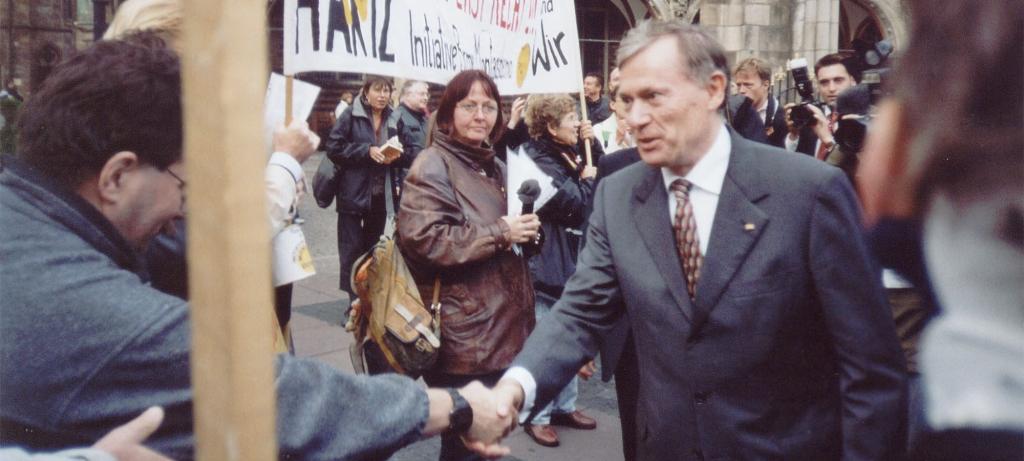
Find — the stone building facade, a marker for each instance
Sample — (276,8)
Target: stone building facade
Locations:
(773,30)
(779,30)
(36,34)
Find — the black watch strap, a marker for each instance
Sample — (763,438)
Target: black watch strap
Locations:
(461,417)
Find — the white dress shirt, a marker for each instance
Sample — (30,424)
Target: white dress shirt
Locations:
(763,111)
(707,177)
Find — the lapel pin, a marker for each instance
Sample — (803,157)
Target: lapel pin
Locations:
(748,227)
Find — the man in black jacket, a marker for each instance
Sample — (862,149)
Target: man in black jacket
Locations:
(753,80)
(410,118)
(833,76)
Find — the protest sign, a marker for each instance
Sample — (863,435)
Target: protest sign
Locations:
(526,46)
(274,112)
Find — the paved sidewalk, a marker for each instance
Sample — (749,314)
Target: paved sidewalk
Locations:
(316,327)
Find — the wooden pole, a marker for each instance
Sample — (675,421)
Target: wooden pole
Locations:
(583,117)
(225,55)
(289,83)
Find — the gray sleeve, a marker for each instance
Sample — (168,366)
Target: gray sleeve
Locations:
(323,413)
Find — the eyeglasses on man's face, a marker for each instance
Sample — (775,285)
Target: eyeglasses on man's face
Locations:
(181,184)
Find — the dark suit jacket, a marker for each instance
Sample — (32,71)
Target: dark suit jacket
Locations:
(788,352)
(744,119)
(776,120)
(614,341)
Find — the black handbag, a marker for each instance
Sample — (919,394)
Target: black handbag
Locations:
(325,182)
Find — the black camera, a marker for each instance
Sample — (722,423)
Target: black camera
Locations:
(800,114)
(872,65)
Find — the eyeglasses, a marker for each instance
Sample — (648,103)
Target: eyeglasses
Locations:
(181,185)
(471,108)
(181,182)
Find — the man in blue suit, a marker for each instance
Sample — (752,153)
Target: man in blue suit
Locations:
(760,325)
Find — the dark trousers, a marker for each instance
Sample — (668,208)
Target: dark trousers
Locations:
(452,448)
(283,310)
(283,304)
(356,234)
(627,379)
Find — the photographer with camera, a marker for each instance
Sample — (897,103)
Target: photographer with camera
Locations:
(811,124)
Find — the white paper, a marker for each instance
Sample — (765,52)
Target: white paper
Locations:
(521,168)
(291,260)
(303,98)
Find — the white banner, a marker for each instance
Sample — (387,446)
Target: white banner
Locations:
(526,46)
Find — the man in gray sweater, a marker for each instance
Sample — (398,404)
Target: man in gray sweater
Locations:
(100,173)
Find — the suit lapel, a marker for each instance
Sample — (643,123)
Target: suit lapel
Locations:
(650,213)
(737,226)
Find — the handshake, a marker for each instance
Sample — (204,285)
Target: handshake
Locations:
(494,415)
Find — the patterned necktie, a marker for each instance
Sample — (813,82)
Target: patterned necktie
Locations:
(687,240)
(822,148)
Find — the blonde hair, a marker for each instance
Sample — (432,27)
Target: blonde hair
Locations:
(163,17)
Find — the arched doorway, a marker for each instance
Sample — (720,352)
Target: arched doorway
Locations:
(871,20)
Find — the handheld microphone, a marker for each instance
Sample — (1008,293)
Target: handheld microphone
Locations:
(528,193)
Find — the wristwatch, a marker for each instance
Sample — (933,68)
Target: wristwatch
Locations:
(461,417)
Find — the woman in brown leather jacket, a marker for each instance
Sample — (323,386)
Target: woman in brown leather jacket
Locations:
(453,224)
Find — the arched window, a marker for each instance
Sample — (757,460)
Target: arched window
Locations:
(856,21)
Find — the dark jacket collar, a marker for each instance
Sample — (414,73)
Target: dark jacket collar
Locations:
(71,210)
(480,158)
(420,116)
(546,145)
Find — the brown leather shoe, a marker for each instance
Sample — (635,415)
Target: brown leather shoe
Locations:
(542,434)
(576,420)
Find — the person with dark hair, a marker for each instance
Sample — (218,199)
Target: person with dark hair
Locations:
(833,75)
(91,185)
(760,326)
(355,147)
(597,103)
(955,171)
(454,226)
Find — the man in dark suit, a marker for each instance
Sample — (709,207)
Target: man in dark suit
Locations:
(617,352)
(833,75)
(753,80)
(776,345)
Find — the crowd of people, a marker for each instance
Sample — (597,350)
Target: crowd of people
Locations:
(759,286)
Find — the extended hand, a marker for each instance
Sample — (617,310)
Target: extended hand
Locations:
(125,442)
(491,423)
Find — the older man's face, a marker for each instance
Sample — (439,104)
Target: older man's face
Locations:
(673,118)
(417,96)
